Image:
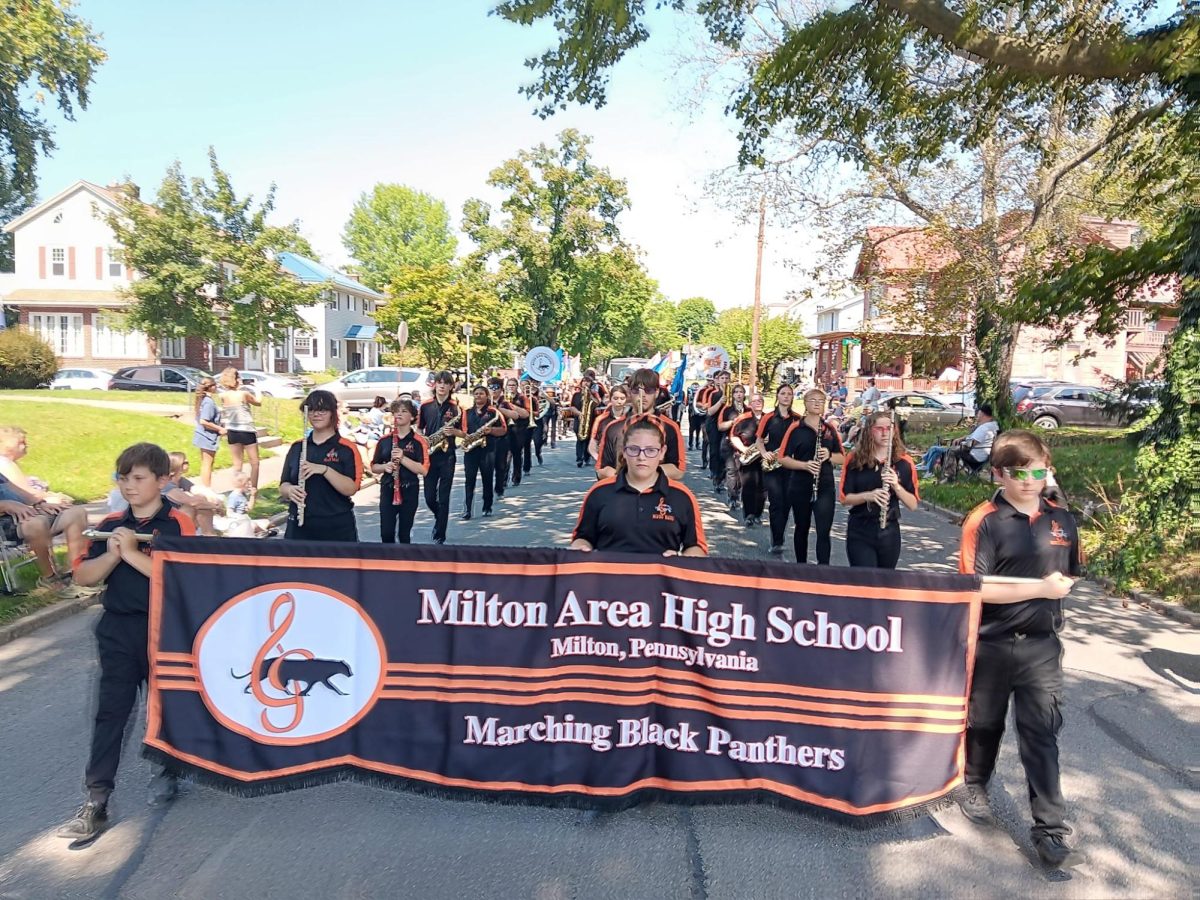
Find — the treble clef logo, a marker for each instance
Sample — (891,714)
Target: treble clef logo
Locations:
(285,603)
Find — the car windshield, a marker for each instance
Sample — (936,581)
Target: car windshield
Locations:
(193,372)
(410,376)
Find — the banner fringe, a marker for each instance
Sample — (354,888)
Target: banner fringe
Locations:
(352,774)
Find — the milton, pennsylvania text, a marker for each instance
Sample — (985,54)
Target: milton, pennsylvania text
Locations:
(688,615)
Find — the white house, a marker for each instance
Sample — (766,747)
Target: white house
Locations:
(341,331)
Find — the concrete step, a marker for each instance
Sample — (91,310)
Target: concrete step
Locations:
(266,442)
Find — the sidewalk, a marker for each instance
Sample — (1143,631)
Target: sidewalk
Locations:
(172,411)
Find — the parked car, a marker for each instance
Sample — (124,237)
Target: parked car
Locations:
(1049,406)
(922,410)
(359,389)
(269,384)
(157,378)
(81,380)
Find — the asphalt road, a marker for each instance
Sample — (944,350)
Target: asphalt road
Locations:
(1131,758)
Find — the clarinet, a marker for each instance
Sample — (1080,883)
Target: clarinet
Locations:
(816,453)
(396,474)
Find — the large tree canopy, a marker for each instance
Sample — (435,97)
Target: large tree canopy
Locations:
(395,227)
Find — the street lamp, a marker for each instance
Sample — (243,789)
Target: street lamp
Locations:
(467,332)
(740,348)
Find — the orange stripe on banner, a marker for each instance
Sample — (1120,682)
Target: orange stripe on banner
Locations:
(687,690)
(786,790)
(665,700)
(784,585)
(661,672)
(175,658)
(172,685)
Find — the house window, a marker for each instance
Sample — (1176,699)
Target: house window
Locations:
(281,350)
(171,348)
(58,261)
(228,348)
(1135,318)
(331,300)
(116,268)
(353,302)
(335,349)
(875,295)
(303,344)
(109,340)
(64,333)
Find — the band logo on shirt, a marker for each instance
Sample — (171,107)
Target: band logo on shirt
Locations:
(1058,536)
(662,512)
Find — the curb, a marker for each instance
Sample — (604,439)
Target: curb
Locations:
(1150,601)
(43,617)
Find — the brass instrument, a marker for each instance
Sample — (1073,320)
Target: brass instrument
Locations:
(587,415)
(887,464)
(769,466)
(439,440)
(476,438)
(664,406)
(727,396)
(749,455)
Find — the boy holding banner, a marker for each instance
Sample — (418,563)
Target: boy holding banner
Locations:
(1035,544)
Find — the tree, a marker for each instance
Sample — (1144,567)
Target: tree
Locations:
(695,315)
(561,210)
(207,263)
(660,327)
(44,48)
(612,292)
(779,339)
(13,202)
(396,227)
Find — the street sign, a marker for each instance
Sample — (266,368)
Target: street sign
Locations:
(542,364)
(468,329)
(402,334)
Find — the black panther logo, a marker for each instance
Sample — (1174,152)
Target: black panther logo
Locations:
(309,672)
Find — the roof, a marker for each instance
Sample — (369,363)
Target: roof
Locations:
(312,272)
(900,248)
(361,332)
(100,193)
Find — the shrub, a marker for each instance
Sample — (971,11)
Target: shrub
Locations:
(26,361)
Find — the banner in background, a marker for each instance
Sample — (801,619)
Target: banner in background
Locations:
(595,679)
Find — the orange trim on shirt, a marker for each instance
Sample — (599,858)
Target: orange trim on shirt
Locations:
(358,463)
(970,536)
(700,541)
(586,497)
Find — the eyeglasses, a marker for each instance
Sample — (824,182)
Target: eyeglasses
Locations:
(1026,474)
(633,451)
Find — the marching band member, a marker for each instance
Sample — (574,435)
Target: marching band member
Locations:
(811,448)
(695,418)
(480,459)
(700,408)
(403,454)
(501,449)
(618,409)
(641,510)
(871,481)
(729,465)
(440,412)
(769,440)
(715,405)
(642,385)
(325,481)
(749,477)
(588,391)
(519,414)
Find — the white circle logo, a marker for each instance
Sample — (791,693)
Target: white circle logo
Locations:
(290,663)
(542,363)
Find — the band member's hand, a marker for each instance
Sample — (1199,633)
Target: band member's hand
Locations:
(670,553)
(309,469)
(822,454)
(396,454)
(126,539)
(296,494)
(813,467)
(1057,585)
(881,496)
(890,478)
(770,456)
(393,467)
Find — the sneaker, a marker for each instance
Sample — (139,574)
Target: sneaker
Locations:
(776,550)
(973,801)
(87,823)
(1052,849)
(67,590)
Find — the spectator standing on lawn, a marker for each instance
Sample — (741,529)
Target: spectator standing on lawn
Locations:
(238,420)
(209,429)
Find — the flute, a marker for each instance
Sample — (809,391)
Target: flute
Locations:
(303,460)
(887,464)
(396,474)
(96,535)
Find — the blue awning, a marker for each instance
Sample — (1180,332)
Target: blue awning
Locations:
(361,332)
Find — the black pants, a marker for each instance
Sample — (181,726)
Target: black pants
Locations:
(581,452)
(337,528)
(716,466)
(516,447)
(525,456)
(869,546)
(695,431)
(437,491)
(1029,669)
(733,474)
(500,458)
(123,669)
(539,439)
(478,461)
(804,510)
(776,484)
(753,498)
(395,522)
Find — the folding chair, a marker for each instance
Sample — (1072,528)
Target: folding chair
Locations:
(13,555)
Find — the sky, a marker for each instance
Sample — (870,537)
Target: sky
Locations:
(327,99)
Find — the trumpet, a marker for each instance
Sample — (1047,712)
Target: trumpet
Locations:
(727,395)
(476,438)
(769,466)
(664,406)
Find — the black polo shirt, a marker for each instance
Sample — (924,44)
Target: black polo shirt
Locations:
(126,590)
(729,414)
(615,516)
(860,481)
(800,443)
(745,427)
(608,433)
(521,402)
(321,498)
(772,427)
(998,539)
(415,447)
(433,415)
(473,420)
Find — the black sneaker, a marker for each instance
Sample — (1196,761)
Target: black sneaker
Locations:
(88,822)
(776,550)
(465,517)
(1052,849)
(973,801)
(487,513)
(439,540)
(163,788)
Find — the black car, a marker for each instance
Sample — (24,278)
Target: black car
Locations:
(157,378)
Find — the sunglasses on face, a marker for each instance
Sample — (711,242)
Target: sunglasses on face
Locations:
(633,451)
(1026,474)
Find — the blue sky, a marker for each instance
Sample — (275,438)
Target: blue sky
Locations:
(326,99)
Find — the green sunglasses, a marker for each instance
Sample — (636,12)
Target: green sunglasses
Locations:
(1026,474)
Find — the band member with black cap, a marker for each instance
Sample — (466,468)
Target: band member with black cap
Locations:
(749,482)
(769,440)
(441,412)
(811,448)
(641,387)
(871,481)
(401,453)
(517,413)
(479,461)
(640,509)
(1020,534)
(501,449)
(575,411)
(716,406)
(729,466)
(326,481)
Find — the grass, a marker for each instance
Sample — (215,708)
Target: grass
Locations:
(29,599)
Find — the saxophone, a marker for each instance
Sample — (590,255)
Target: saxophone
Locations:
(749,455)
(587,415)
(439,440)
(476,438)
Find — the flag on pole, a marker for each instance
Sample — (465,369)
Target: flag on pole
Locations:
(677,384)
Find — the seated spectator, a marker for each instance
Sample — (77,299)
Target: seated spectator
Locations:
(976,448)
(237,522)
(198,508)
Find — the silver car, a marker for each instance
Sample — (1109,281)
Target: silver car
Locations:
(923,410)
(269,384)
(359,389)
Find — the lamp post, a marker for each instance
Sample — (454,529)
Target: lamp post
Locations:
(467,332)
(740,348)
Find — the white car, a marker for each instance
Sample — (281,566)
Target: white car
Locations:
(359,389)
(269,384)
(81,380)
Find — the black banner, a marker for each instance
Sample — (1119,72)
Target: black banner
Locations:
(550,675)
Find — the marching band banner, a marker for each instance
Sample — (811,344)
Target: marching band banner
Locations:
(554,676)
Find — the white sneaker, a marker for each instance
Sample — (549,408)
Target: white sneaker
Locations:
(67,590)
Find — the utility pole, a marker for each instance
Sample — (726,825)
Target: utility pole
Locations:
(762,228)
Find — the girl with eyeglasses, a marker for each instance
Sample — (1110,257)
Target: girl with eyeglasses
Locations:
(871,480)
(325,480)
(811,448)
(640,510)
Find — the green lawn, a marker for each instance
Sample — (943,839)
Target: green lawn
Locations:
(18,605)
(166,398)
